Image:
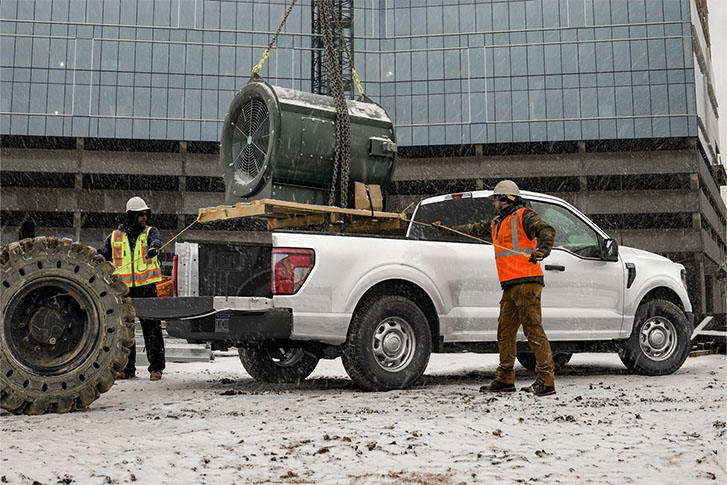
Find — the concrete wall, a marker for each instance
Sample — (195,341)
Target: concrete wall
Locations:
(691,196)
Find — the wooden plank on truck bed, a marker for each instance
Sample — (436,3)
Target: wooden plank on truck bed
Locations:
(284,214)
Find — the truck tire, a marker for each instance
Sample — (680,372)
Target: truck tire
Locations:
(388,344)
(278,365)
(560,360)
(660,340)
(66,326)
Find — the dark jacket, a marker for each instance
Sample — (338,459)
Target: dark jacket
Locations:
(154,240)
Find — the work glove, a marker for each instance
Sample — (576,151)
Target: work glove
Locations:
(153,253)
(537,256)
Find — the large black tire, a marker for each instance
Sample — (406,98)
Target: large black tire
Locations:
(560,360)
(388,344)
(660,340)
(66,326)
(278,365)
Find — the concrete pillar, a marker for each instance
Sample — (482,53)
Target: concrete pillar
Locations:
(702,307)
(583,183)
(182,186)
(77,189)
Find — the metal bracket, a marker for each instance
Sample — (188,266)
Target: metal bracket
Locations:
(699,330)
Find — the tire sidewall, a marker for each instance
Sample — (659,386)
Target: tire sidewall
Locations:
(634,357)
(358,355)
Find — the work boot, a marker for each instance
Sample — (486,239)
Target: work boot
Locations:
(498,386)
(122,376)
(155,375)
(540,389)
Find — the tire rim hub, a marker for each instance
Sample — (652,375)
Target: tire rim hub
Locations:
(393,344)
(658,338)
(51,326)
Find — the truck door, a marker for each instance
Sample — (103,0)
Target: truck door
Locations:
(465,267)
(583,295)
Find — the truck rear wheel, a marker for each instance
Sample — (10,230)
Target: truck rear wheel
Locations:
(660,340)
(560,360)
(388,344)
(278,365)
(66,326)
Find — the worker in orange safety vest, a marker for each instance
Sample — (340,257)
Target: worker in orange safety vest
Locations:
(521,240)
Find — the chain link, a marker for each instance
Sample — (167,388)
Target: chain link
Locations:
(259,66)
(342,156)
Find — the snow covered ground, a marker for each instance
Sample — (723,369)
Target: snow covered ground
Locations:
(210,423)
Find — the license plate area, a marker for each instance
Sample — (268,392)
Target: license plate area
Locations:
(222,323)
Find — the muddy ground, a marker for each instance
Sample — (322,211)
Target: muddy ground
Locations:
(210,423)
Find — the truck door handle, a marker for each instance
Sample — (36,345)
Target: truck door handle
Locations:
(554,267)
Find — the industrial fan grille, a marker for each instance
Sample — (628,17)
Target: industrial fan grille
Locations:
(250,139)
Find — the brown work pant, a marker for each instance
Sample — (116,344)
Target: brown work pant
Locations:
(520,305)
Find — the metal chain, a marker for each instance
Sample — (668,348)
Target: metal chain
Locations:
(342,156)
(259,66)
(354,74)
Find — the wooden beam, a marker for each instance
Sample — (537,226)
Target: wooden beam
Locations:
(284,214)
(298,221)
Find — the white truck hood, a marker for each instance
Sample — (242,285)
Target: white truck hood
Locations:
(640,254)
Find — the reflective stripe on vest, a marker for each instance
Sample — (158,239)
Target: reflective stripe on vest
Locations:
(513,242)
(139,270)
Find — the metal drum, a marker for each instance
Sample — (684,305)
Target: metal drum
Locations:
(280,143)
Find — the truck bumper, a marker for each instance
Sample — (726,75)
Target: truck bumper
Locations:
(235,326)
(229,319)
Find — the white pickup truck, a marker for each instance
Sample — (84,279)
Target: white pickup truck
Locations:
(384,304)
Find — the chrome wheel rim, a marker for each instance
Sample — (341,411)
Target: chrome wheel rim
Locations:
(658,338)
(393,344)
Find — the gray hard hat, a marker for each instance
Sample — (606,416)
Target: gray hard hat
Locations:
(136,204)
(506,187)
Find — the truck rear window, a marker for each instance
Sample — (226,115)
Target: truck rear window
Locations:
(451,212)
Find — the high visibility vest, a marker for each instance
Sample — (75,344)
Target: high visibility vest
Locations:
(139,270)
(511,242)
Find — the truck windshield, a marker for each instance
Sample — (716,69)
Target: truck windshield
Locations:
(451,212)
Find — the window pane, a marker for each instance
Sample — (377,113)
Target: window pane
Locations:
(571,232)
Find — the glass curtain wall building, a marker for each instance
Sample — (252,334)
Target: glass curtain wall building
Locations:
(448,72)
(598,101)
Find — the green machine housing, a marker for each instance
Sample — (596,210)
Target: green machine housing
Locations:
(279,143)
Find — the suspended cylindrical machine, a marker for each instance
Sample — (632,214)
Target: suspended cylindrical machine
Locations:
(280,143)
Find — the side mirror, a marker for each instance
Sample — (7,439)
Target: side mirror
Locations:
(608,248)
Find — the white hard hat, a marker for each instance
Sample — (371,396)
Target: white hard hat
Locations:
(136,204)
(506,187)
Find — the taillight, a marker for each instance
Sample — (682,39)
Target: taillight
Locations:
(175,291)
(290,268)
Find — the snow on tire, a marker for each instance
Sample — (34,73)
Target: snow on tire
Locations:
(66,326)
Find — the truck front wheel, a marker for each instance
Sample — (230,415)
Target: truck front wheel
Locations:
(278,365)
(388,344)
(660,340)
